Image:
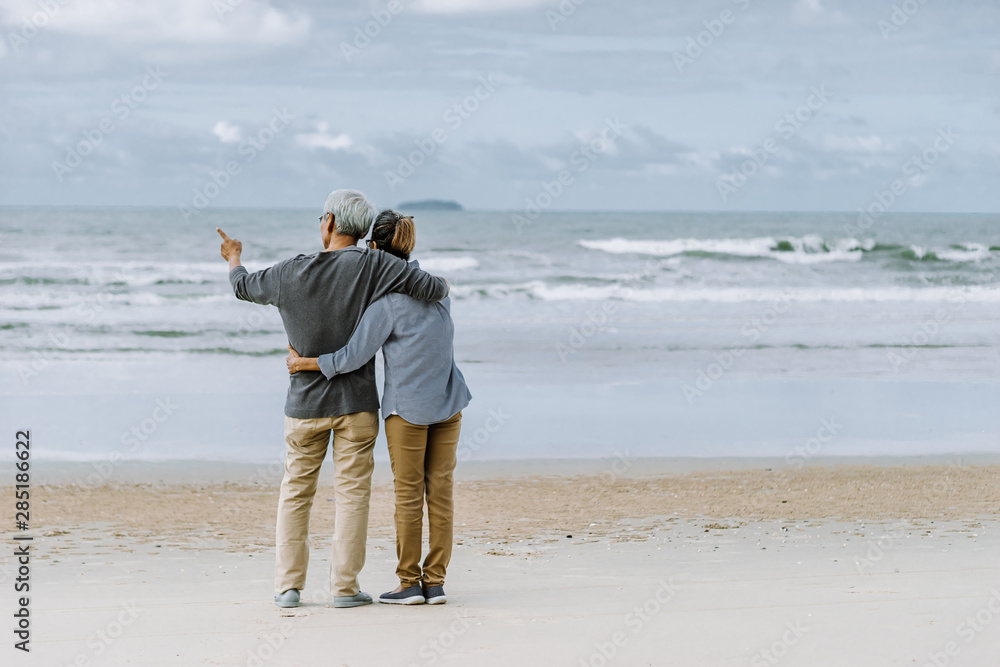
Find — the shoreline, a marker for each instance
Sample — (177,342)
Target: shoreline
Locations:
(509,508)
(191,471)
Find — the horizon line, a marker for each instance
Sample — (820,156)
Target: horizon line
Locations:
(505,210)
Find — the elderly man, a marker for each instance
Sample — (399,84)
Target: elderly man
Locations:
(321,298)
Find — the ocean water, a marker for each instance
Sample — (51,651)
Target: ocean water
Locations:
(617,335)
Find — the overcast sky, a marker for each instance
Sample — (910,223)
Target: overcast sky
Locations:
(535,88)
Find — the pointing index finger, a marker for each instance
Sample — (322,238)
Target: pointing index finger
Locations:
(222,234)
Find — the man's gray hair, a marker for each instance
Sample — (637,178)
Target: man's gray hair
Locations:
(352,212)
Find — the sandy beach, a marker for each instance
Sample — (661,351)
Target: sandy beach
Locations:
(651,563)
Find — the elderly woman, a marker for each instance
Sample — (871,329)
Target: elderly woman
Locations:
(422,404)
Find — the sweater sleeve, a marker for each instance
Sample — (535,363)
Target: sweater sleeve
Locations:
(395,275)
(372,331)
(263,287)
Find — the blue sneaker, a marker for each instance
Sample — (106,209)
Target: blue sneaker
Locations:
(434,595)
(289,598)
(412,595)
(356,600)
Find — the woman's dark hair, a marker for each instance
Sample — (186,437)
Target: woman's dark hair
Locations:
(394,233)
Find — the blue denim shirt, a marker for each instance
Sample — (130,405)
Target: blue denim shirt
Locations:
(423,385)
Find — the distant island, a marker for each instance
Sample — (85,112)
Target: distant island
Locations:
(429,205)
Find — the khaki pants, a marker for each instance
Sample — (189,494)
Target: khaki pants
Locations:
(423,463)
(353,448)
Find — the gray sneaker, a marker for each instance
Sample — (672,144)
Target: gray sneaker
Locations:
(434,595)
(412,595)
(289,598)
(356,600)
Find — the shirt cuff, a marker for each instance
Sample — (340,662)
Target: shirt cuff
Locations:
(236,271)
(325,362)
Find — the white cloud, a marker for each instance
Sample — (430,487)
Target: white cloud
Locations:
(807,9)
(323,139)
(813,12)
(855,144)
(227,132)
(701,159)
(169,21)
(464,6)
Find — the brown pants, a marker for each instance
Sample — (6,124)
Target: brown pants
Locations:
(423,464)
(353,448)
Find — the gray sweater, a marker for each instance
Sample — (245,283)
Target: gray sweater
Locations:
(321,298)
(422,382)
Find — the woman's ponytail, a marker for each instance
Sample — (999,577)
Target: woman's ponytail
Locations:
(394,233)
(405,237)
